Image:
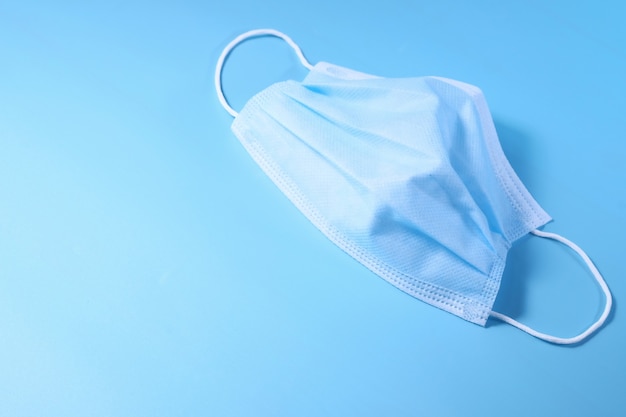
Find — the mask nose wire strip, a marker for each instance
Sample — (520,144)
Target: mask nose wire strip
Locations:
(595,326)
(228,49)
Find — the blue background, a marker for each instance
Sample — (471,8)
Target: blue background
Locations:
(149,268)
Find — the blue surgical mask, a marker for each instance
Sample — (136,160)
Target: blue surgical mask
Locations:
(406,175)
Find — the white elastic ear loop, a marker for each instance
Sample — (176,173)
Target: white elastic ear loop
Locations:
(595,326)
(227,50)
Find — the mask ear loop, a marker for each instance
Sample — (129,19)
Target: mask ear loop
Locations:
(228,49)
(595,326)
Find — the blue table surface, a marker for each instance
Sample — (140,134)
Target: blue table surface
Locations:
(148,267)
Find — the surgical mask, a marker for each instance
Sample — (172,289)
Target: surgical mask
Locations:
(404,174)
